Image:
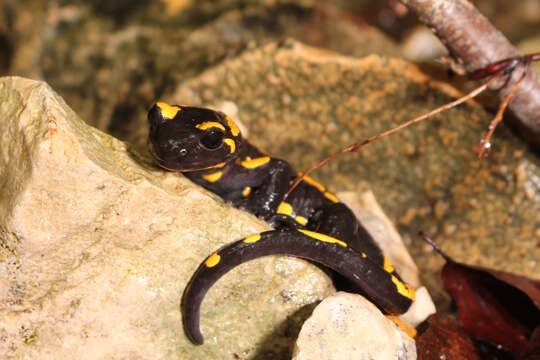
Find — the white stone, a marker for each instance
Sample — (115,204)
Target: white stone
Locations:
(97,245)
(347,326)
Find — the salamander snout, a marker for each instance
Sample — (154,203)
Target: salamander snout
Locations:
(155,117)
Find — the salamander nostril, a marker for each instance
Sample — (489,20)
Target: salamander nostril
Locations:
(183,152)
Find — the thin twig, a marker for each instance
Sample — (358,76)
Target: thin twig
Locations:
(485,144)
(435,246)
(470,36)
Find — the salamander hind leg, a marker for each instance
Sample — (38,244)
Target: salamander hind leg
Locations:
(319,248)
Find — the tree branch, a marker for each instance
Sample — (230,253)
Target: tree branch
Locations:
(469,36)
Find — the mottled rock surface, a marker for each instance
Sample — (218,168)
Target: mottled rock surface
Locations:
(111,60)
(96,246)
(347,326)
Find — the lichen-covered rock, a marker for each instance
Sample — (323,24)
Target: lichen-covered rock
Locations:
(347,326)
(96,246)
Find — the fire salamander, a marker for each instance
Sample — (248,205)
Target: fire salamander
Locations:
(208,148)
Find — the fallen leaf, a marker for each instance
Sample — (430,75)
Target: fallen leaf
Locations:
(492,309)
(444,339)
(493,306)
(533,352)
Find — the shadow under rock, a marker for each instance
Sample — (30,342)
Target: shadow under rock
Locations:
(279,345)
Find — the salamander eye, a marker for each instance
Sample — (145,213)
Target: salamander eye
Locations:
(212,139)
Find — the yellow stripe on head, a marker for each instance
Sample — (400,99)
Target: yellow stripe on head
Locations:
(168,111)
(208,124)
(213,177)
(256,162)
(403,288)
(333,198)
(232,125)
(322,237)
(231,144)
(253,238)
(212,260)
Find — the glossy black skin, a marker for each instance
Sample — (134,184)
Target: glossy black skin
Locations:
(358,258)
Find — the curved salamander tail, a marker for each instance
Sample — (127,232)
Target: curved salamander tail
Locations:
(382,286)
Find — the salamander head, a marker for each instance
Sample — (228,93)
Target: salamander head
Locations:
(186,138)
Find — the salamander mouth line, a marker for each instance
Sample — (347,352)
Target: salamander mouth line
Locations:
(160,162)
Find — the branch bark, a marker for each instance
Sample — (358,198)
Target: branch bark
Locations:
(470,36)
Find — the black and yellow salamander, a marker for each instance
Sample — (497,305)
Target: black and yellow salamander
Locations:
(207,146)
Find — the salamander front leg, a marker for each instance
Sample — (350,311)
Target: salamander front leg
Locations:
(265,200)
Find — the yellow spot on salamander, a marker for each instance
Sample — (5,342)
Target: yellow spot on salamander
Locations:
(246,191)
(301,220)
(256,162)
(212,260)
(231,143)
(285,208)
(208,124)
(213,177)
(168,111)
(232,125)
(252,238)
(387,265)
(364,255)
(311,181)
(403,288)
(322,237)
(333,198)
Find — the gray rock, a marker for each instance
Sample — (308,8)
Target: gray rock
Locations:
(422,45)
(96,246)
(347,326)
